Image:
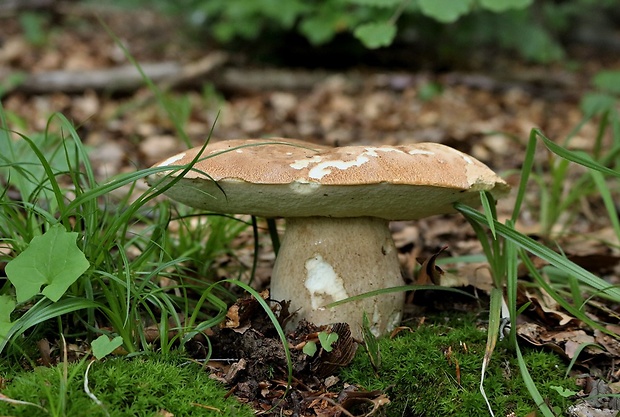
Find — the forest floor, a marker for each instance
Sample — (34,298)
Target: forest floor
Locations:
(486,111)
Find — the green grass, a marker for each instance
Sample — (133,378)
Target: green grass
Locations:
(124,239)
(419,372)
(139,386)
(505,248)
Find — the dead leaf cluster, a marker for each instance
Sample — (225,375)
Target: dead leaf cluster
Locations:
(248,356)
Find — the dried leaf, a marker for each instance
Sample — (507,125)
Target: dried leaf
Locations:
(430,273)
(350,399)
(611,344)
(545,307)
(343,349)
(239,315)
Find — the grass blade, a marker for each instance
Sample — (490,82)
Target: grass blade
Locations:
(608,201)
(488,205)
(400,288)
(545,253)
(531,386)
(580,158)
(45,310)
(495,309)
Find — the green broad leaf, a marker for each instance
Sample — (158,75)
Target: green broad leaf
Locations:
(309,348)
(29,175)
(445,11)
(285,13)
(564,392)
(52,261)
(376,35)
(503,5)
(327,340)
(103,346)
(608,81)
(318,29)
(7,305)
(536,43)
(597,103)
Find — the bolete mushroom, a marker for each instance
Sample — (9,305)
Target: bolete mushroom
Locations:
(337,203)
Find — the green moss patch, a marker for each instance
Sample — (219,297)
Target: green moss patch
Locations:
(435,370)
(126,387)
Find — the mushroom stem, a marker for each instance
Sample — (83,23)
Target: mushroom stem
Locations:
(323,259)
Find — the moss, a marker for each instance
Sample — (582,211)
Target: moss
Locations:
(419,372)
(127,387)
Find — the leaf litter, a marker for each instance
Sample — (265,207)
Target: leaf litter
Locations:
(248,356)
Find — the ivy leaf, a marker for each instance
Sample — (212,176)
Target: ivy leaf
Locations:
(537,44)
(7,305)
(52,260)
(499,6)
(318,29)
(564,392)
(608,81)
(309,348)
(327,340)
(375,35)
(445,11)
(597,103)
(103,346)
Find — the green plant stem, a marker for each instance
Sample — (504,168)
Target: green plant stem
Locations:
(273,232)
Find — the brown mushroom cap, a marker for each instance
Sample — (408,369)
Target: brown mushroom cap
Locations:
(291,178)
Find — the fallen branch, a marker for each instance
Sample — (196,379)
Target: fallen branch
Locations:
(120,79)
(169,75)
(267,79)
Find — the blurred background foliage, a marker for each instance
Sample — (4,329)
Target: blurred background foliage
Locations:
(444,32)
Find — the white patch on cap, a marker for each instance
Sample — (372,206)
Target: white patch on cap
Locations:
(303,163)
(467,159)
(420,152)
(239,151)
(323,283)
(322,169)
(172,160)
(304,187)
(372,151)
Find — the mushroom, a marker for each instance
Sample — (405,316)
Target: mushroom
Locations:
(337,203)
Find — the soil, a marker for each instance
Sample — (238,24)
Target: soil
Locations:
(248,355)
